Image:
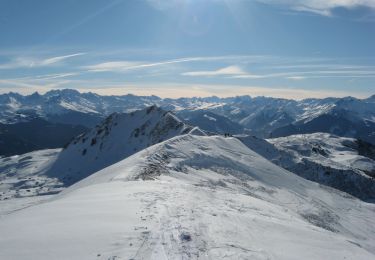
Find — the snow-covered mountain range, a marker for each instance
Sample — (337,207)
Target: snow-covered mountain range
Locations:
(165,182)
(261,116)
(192,197)
(243,109)
(346,164)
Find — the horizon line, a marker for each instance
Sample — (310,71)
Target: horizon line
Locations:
(42,92)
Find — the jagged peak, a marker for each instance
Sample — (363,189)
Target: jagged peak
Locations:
(62,92)
(149,126)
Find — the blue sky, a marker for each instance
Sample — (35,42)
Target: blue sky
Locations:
(173,48)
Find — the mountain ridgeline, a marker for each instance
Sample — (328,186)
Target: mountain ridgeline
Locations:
(263,117)
(117,137)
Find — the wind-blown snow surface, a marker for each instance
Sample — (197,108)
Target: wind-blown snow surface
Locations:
(192,197)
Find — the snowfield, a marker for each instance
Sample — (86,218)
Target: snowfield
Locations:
(338,162)
(26,175)
(192,197)
(329,150)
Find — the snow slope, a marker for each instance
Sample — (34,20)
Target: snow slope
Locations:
(24,180)
(192,197)
(335,161)
(119,136)
(27,175)
(329,150)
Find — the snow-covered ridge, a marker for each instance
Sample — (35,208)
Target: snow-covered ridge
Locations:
(343,163)
(193,197)
(117,137)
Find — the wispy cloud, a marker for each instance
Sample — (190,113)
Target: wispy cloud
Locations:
(124,65)
(116,66)
(266,71)
(32,82)
(321,7)
(30,62)
(296,78)
(323,66)
(59,59)
(227,71)
(52,76)
(19,83)
(236,72)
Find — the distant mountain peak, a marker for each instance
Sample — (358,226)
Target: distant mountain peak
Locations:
(62,92)
(371,98)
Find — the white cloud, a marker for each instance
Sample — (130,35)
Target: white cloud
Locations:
(47,76)
(28,62)
(227,71)
(124,66)
(250,76)
(263,67)
(233,71)
(46,81)
(59,59)
(53,76)
(322,7)
(236,72)
(296,78)
(112,66)
(300,75)
(18,83)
